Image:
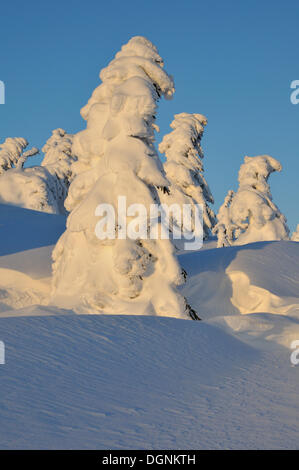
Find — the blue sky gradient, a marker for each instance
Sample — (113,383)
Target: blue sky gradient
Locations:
(233,61)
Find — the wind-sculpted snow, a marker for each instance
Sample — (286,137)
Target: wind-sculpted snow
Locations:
(253,279)
(31,188)
(184,168)
(250,215)
(115,382)
(117,157)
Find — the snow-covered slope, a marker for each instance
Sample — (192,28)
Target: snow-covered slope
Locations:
(107,381)
(93,381)
(25,229)
(26,243)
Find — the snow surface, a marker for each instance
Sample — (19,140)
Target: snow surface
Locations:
(129,381)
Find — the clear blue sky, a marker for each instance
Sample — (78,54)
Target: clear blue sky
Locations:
(231,60)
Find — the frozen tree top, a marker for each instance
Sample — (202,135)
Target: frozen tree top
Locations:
(255,172)
(137,59)
(184,140)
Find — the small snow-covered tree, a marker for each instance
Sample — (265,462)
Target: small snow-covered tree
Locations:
(31,188)
(12,154)
(252,212)
(59,161)
(117,157)
(184,168)
(295,235)
(224,229)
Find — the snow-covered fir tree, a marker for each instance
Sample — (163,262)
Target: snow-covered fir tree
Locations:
(224,229)
(295,235)
(117,157)
(252,214)
(13,154)
(184,168)
(59,161)
(31,188)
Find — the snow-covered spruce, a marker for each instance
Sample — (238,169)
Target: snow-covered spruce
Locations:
(295,235)
(252,216)
(59,161)
(184,168)
(31,188)
(13,154)
(224,229)
(117,157)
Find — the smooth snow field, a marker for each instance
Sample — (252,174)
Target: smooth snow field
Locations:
(140,382)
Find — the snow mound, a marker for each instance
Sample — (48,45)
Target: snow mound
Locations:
(255,278)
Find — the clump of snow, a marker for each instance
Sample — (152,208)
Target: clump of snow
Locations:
(12,154)
(31,188)
(250,215)
(42,188)
(117,157)
(184,168)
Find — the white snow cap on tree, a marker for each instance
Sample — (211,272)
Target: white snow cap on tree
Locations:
(252,214)
(116,157)
(184,168)
(295,236)
(59,161)
(31,188)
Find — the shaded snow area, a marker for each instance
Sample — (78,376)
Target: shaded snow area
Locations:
(143,382)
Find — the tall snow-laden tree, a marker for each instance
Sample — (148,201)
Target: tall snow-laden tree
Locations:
(224,229)
(117,158)
(59,161)
(295,235)
(252,212)
(31,188)
(184,168)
